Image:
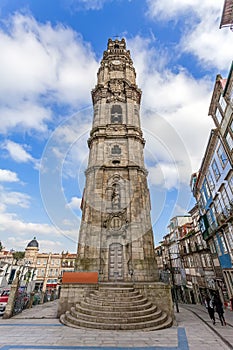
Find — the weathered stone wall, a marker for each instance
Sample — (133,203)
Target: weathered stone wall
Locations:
(158,293)
(72,294)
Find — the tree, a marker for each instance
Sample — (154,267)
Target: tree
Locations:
(1,246)
(18,256)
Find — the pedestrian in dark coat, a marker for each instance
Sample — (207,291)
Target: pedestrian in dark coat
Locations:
(210,308)
(219,309)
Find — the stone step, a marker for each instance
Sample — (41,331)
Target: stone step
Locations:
(115,307)
(113,285)
(110,319)
(158,323)
(107,302)
(166,324)
(117,292)
(116,311)
(115,297)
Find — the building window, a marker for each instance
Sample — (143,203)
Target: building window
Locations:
(215,170)
(222,103)
(222,155)
(203,261)
(218,206)
(229,140)
(116,114)
(230,237)
(225,197)
(212,247)
(223,244)
(210,180)
(203,196)
(206,190)
(116,150)
(209,217)
(218,116)
(217,246)
(230,182)
(231,125)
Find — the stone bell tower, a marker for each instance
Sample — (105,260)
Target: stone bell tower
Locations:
(116,237)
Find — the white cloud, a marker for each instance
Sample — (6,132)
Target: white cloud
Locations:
(211,46)
(174,111)
(170,9)
(23,115)
(11,198)
(17,152)
(75,203)
(37,71)
(17,233)
(201,36)
(78,5)
(8,176)
(165,175)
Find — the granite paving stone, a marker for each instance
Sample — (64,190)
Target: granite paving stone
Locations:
(189,333)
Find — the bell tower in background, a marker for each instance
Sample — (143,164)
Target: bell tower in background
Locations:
(116,237)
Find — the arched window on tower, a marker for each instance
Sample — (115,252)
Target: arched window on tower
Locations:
(116,150)
(116,114)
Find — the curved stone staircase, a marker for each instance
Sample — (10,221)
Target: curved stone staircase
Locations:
(116,307)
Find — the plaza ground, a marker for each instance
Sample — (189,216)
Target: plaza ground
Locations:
(38,328)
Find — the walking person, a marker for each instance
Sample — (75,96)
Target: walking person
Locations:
(219,309)
(210,308)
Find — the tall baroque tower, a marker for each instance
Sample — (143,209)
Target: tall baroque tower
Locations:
(116,237)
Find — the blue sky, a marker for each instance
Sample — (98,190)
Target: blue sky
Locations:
(50,54)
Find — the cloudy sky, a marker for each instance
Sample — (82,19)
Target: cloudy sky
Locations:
(50,54)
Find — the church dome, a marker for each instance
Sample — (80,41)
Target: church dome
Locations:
(33,243)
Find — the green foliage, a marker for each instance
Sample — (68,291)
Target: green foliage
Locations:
(18,256)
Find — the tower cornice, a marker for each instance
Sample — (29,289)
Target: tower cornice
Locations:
(111,134)
(104,167)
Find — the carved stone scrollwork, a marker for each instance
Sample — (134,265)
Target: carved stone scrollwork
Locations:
(118,67)
(133,94)
(98,94)
(116,224)
(116,91)
(116,198)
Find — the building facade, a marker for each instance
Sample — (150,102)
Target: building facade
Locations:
(212,187)
(40,272)
(184,260)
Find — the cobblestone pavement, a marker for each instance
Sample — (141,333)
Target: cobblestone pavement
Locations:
(38,328)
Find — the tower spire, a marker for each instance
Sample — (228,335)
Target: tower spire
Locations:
(116,237)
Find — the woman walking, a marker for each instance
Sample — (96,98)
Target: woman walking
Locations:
(210,307)
(219,309)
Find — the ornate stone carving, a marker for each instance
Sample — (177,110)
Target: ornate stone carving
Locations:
(115,198)
(116,91)
(116,224)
